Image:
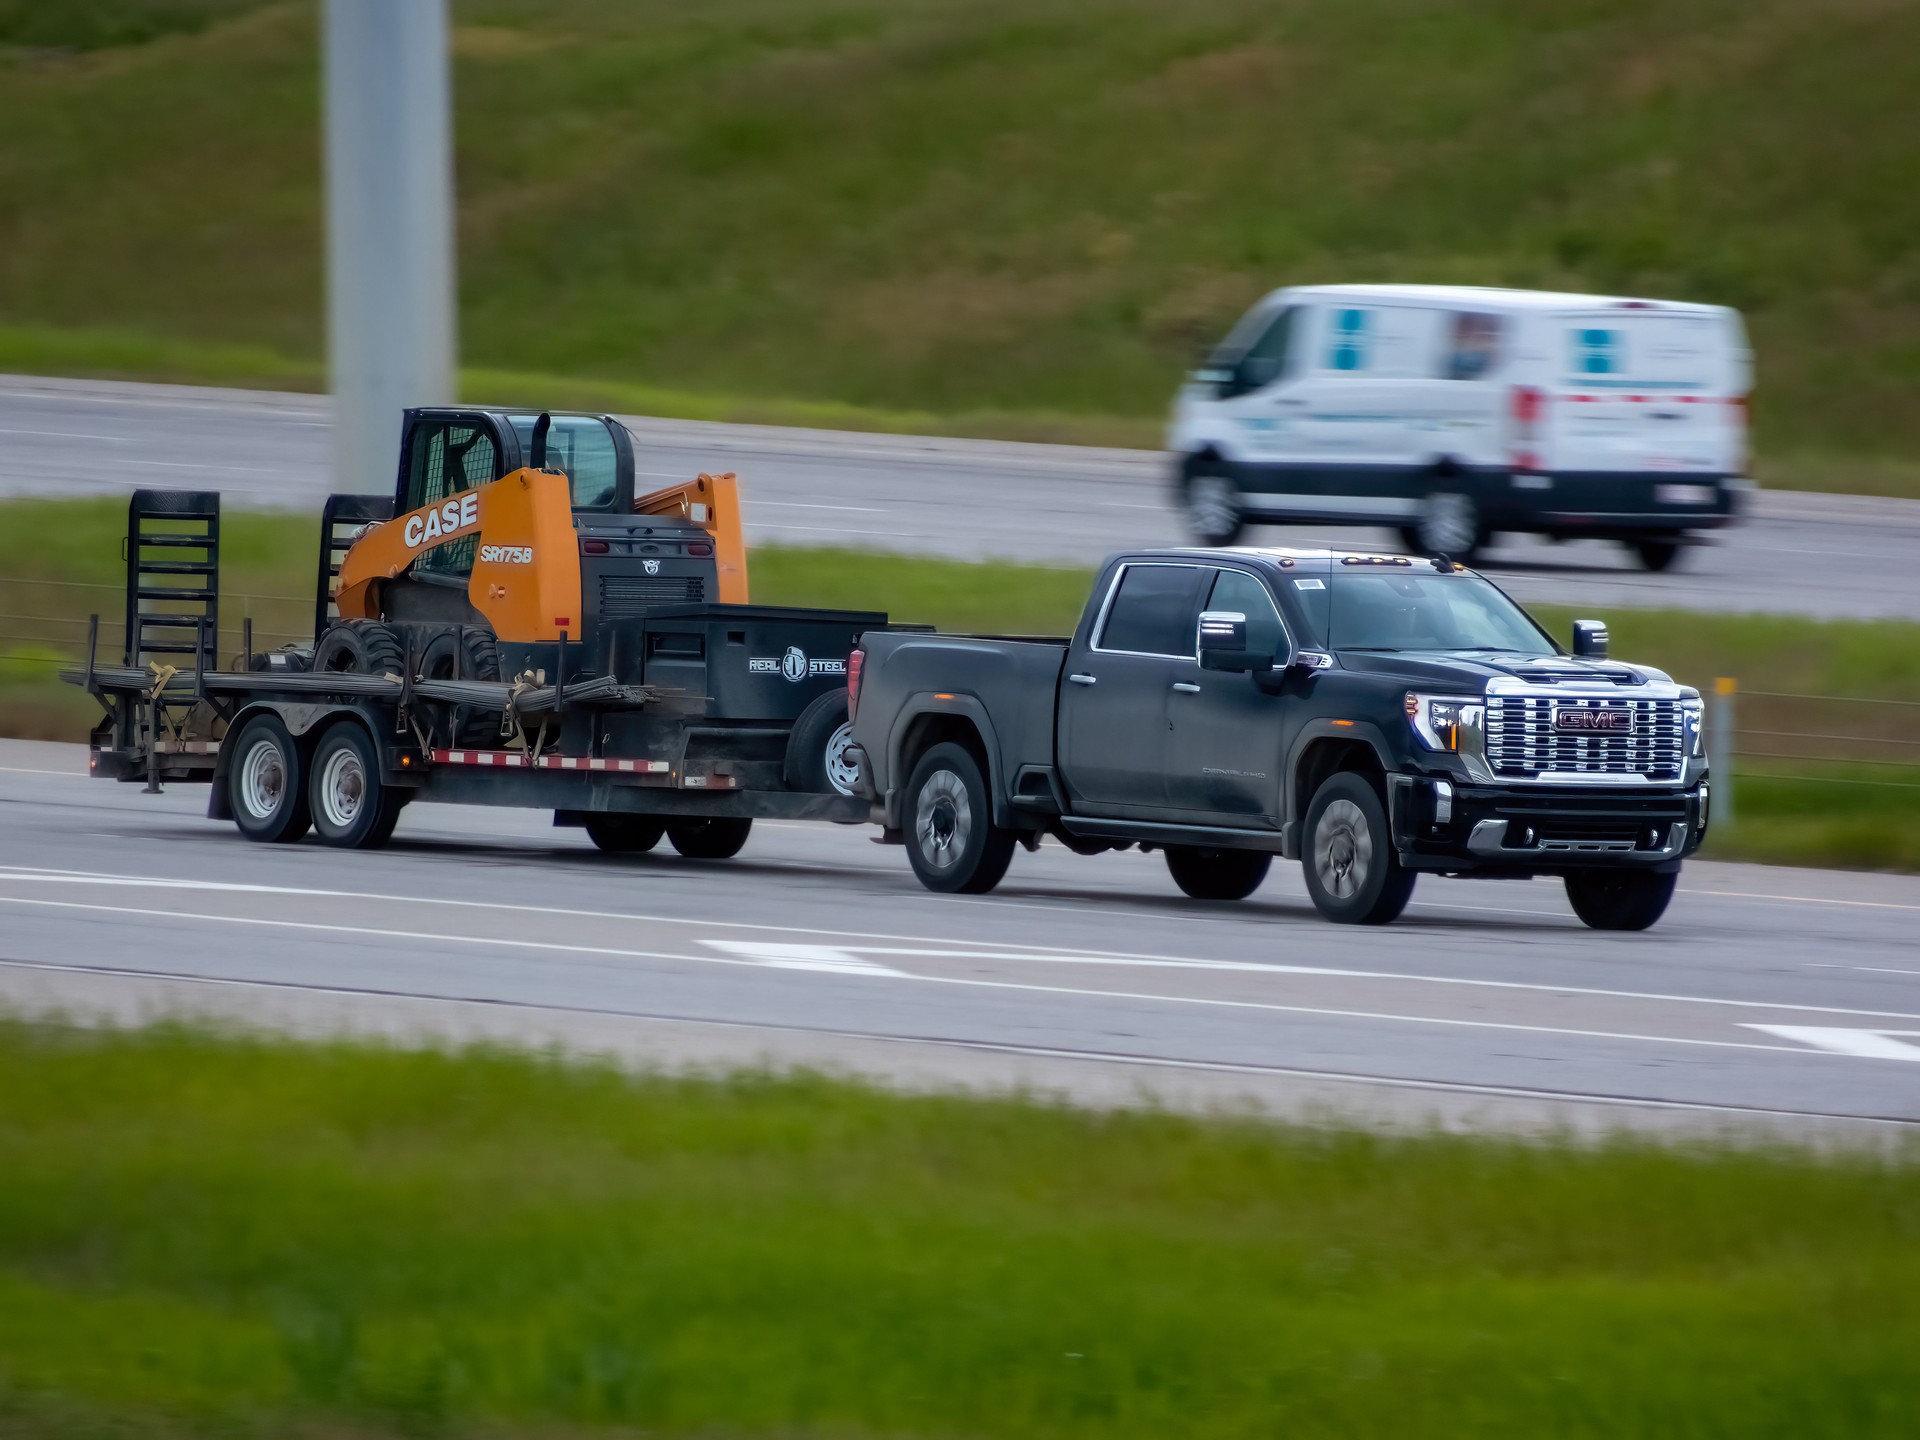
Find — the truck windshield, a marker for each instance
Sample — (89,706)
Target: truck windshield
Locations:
(1427,612)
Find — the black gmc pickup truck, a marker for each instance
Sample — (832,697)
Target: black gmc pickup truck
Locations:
(1372,715)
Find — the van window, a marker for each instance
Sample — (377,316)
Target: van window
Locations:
(1474,345)
(1266,359)
(1154,612)
(1238,591)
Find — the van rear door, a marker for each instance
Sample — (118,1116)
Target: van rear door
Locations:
(1642,388)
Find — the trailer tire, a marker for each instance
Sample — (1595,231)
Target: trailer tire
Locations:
(623,834)
(709,837)
(817,748)
(952,842)
(266,782)
(360,647)
(353,807)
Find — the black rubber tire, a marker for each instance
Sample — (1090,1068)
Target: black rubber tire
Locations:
(1657,553)
(355,809)
(287,818)
(979,859)
(1208,529)
(808,767)
(1380,884)
(1620,899)
(1424,530)
(709,837)
(624,834)
(361,647)
(1209,874)
(478,658)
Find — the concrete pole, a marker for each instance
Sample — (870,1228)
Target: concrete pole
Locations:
(390,273)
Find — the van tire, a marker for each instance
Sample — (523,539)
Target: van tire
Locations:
(1353,873)
(1450,525)
(1212,504)
(1657,552)
(952,842)
(1209,874)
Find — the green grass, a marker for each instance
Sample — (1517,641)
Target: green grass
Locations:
(59,560)
(990,216)
(218,1236)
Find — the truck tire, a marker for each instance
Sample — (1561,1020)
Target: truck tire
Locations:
(816,750)
(1212,503)
(360,647)
(1209,874)
(353,807)
(623,834)
(1353,873)
(709,837)
(1620,899)
(952,842)
(266,782)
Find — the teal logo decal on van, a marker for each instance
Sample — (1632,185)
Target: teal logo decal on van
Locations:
(1348,350)
(1597,352)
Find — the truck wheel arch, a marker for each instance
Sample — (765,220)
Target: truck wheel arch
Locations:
(924,722)
(1323,749)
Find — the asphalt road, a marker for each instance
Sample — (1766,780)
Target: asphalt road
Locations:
(1769,998)
(1814,555)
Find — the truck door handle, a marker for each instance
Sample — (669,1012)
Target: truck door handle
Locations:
(1186,687)
(1082,679)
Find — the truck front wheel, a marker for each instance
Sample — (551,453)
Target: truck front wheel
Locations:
(1208,874)
(1620,899)
(1353,873)
(952,842)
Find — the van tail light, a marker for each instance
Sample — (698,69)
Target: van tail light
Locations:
(1529,406)
(855,662)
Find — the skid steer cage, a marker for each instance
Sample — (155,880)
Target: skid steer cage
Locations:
(173,578)
(341,519)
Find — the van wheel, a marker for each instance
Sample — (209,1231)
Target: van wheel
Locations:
(1449,525)
(817,761)
(708,837)
(1657,553)
(952,842)
(1213,509)
(623,834)
(353,807)
(1620,899)
(1209,874)
(1353,874)
(266,783)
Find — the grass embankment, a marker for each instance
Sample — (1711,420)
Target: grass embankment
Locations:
(59,560)
(985,216)
(218,1236)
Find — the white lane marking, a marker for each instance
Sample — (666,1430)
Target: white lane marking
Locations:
(837,530)
(1037,952)
(785,956)
(996,1047)
(1861,1044)
(442,938)
(1801,899)
(811,505)
(28,770)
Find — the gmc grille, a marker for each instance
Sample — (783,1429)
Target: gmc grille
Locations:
(633,594)
(1524,743)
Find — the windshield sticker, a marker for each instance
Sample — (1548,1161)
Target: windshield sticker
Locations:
(1306,583)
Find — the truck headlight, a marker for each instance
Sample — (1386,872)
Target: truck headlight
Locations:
(1443,721)
(1694,712)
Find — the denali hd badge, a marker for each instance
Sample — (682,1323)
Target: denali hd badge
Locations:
(1592,720)
(794,665)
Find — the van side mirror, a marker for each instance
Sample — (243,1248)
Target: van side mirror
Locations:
(1222,643)
(1590,639)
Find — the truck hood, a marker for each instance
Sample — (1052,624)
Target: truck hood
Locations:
(1470,671)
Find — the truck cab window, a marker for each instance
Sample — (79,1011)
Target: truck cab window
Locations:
(446,458)
(1236,590)
(580,447)
(1154,611)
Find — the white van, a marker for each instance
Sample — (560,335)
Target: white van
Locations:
(1452,413)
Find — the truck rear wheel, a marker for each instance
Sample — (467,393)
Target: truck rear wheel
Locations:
(266,782)
(1209,874)
(1620,899)
(817,750)
(622,834)
(952,842)
(1353,873)
(353,807)
(708,837)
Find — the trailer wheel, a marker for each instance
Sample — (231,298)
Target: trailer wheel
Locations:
(266,783)
(360,647)
(353,807)
(952,842)
(621,834)
(709,837)
(817,750)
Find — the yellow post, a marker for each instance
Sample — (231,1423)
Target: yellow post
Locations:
(1720,747)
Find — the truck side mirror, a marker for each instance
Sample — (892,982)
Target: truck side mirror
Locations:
(1590,639)
(1222,643)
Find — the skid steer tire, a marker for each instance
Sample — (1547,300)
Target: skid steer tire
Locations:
(361,647)
(465,653)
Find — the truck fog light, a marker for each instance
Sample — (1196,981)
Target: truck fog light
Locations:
(1443,802)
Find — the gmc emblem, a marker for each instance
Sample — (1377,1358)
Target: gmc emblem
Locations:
(1592,720)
